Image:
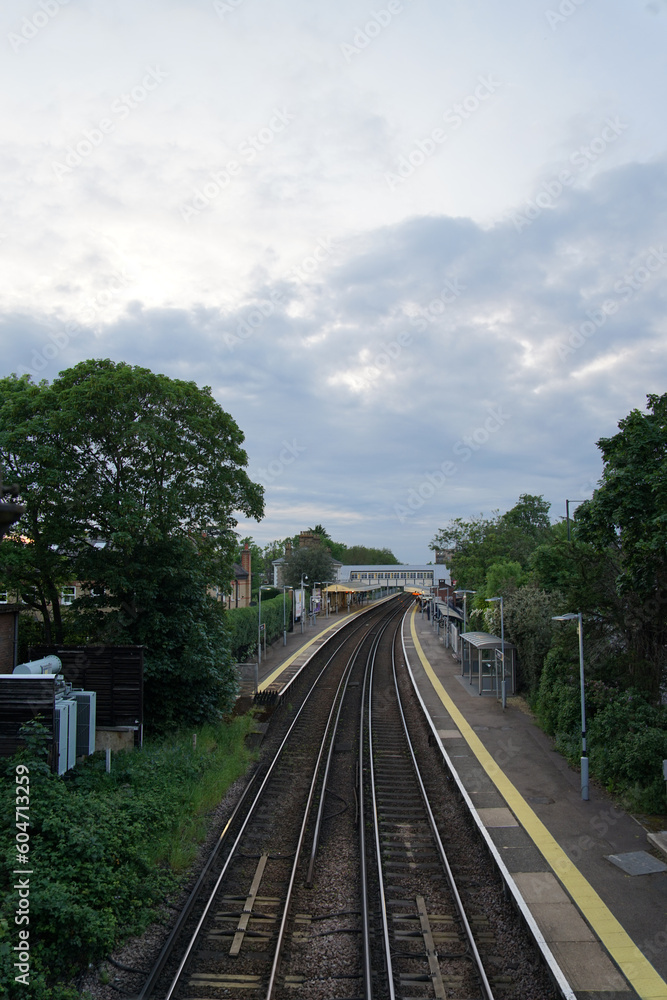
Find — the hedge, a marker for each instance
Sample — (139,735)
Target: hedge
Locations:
(243,624)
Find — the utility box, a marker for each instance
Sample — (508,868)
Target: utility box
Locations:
(64,734)
(85,721)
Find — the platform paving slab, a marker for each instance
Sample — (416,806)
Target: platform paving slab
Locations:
(558,831)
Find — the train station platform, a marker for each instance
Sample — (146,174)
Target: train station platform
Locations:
(282,662)
(606,927)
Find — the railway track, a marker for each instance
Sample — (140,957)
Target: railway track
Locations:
(332,881)
(233,931)
(425,941)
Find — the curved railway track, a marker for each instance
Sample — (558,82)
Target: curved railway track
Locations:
(425,940)
(232,932)
(331,880)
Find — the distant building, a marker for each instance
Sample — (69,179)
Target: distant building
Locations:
(423,575)
(307,540)
(241,585)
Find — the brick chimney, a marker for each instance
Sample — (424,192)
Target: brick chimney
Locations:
(245,559)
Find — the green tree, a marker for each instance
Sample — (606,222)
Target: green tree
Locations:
(528,614)
(503,577)
(132,479)
(474,542)
(311,561)
(362,555)
(627,517)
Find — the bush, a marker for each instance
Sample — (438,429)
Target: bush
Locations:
(626,733)
(528,613)
(558,701)
(243,625)
(105,848)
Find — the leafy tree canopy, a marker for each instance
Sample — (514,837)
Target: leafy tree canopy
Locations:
(312,561)
(479,542)
(131,481)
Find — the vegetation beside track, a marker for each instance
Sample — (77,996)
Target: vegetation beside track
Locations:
(243,624)
(105,849)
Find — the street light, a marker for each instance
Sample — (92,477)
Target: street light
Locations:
(259,622)
(303,601)
(503,686)
(567,514)
(284,619)
(465,605)
(584,752)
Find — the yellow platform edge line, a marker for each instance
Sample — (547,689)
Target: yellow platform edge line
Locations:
(635,966)
(286,663)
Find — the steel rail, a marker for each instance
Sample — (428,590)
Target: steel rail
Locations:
(376,829)
(329,728)
(164,955)
(441,850)
(320,809)
(365,908)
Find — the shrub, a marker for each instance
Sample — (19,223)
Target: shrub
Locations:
(243,625)
(105,848)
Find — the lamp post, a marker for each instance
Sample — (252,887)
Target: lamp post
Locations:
(567,514)
(584,751)
(284,619)
(465,625)
(465,605)
(503,685)
(259,622)
(303,601)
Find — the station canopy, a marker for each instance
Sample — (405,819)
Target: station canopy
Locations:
(484,640)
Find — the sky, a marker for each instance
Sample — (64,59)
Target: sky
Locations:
(417,250)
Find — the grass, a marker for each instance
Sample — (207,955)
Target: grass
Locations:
(107,848)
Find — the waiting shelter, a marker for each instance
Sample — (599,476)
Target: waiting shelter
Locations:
(341,596)
(482,663)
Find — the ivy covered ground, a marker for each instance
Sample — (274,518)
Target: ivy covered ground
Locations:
(102,850)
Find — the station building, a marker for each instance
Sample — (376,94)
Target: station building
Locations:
(420,576)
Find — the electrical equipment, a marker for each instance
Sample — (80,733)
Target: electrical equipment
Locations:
(86,704)
(64,736)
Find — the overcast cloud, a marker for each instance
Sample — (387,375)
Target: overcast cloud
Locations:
(418,250)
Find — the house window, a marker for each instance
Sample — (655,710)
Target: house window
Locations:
(3,597)
(67,595)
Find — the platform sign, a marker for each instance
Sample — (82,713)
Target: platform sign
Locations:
(299,598)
